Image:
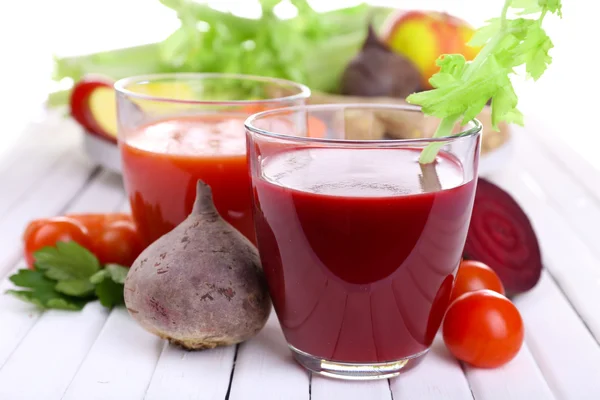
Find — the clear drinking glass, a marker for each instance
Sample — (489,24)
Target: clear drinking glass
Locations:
(360,243)
(177,128)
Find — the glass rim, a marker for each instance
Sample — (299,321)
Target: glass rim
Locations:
(303,92)
(249,125)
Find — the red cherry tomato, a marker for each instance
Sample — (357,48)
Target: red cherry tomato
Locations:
(483,328)
(96,223)
(475,275)
(118,243)
(53,230)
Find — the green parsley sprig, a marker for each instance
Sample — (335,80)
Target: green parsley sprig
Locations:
(67,277)
(461,89)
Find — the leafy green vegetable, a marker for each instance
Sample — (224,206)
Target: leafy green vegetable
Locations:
(311,48)
(110,293)
(42,292)
(461,89)
(113,272)
(67,277)
(67,261)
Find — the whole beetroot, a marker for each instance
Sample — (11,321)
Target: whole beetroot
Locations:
(200,285)
(378,71)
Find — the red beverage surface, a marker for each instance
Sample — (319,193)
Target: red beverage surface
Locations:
(162,162)
(360,248)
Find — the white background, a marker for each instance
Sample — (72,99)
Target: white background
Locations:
(565,99)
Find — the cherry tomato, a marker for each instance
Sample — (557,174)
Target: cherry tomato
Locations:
(475,275)
(483,328)
(118,243)
(53,230)
(96,223)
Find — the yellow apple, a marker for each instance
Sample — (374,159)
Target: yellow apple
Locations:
(423,36)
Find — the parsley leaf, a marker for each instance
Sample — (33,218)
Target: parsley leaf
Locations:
(110,293)
(67,261)
(67,277)
(462,89)
(77,287)
(115,272)
(42,293)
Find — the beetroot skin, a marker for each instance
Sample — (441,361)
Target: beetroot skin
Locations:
(501,236)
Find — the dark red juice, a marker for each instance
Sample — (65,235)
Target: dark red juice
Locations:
(360,248)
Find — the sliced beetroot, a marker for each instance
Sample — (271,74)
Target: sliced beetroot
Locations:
(501,236)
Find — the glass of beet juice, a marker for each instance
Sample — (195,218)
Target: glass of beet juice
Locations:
(177,128)
(360,242)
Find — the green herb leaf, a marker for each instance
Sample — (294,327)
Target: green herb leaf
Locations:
(461,89)
(484,34)
(32,279)
(42,293)
(117,273)
(67,261)
(78,288)
(110,293)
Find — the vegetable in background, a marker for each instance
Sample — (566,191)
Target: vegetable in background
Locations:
(312,48)
(67,277)
(378,71)
(462,89)
(113,237)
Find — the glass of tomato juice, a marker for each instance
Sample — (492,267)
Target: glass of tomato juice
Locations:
(175,129)
(360,243)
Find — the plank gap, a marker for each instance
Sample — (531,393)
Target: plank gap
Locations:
(464,371)
(565,167)
(162,351)
(575,310)
(237,348)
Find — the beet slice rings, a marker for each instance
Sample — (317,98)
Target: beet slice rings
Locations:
(501,236)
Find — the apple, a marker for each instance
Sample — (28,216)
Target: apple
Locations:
(423,36)
(93,105)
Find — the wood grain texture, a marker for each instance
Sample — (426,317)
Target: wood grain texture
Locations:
(564,350)
(267,358)
(439,376)
(189,375)
(119,365)
(572,264)
(61,185)
(520,379)
(30,335)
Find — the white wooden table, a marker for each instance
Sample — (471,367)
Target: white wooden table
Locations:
(103,354)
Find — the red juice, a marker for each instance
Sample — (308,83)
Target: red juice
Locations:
(162,162)
(360,248)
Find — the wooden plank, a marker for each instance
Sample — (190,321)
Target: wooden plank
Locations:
(578,205)
(17,317)
(56,327)
(267,358)
(564,350)
(120,364)
(49,132)
(571,262)
(325,389)
(199,375)
(439,376)
(563,155)
(51,352)
(57,189)
(520,379)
